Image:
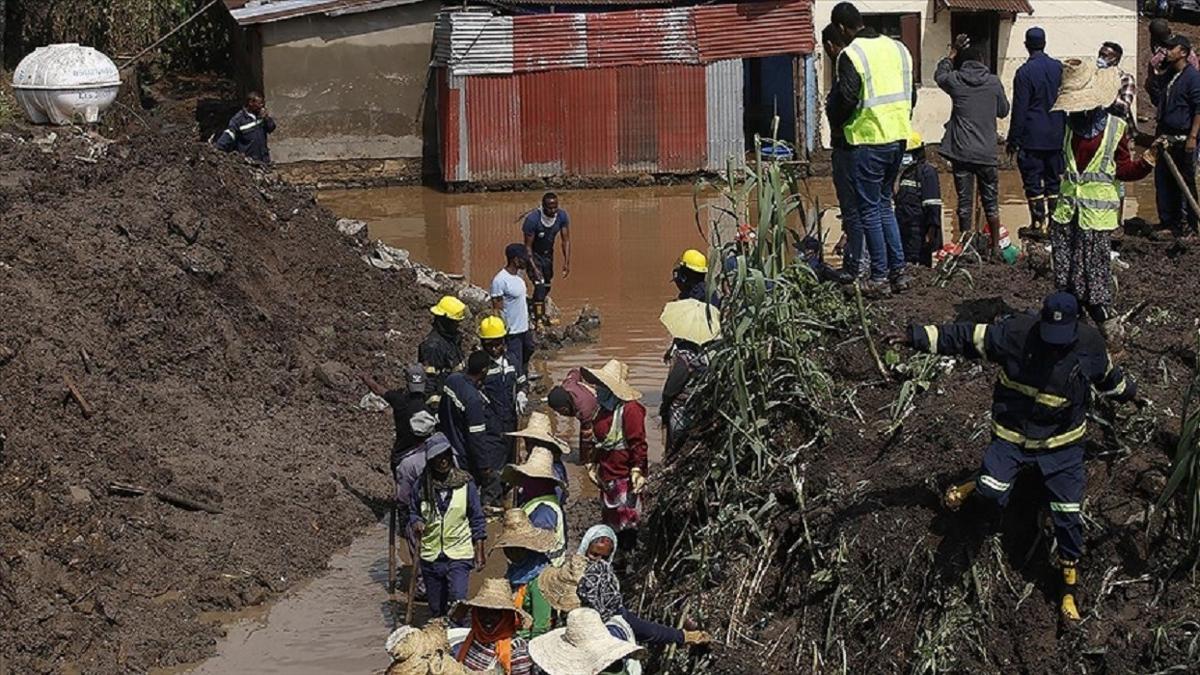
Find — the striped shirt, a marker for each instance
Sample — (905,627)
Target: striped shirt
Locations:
(482,658)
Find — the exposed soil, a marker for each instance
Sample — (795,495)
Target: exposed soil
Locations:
(214,318)
(870,574)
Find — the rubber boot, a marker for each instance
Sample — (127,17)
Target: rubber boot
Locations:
(957,494)
(1068,607)
(993,226)
(1037,220)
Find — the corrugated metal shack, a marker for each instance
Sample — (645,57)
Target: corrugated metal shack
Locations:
(612,92)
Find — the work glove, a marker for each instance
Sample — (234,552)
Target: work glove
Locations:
(522,402)
(593,472)
(696,637)
(637,480)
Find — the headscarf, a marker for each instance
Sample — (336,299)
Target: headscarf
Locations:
(521,573)
(600,589)
(606,398)
(598,532)
(500,638)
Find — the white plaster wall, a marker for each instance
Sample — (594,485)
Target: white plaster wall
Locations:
(1074,29)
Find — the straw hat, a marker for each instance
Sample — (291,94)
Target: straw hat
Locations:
(584,647)
(494,594)
(539,465)
(614,375)
(1086,87)
(559,585)
(538,428)
(520,533)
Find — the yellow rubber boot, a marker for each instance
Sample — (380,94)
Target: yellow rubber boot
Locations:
(1068,609)
(957,494)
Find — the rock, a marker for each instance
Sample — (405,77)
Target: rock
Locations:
(79,495)
(645,180)
(325,331)
(7,354)
(202,261)
(386,257)
(427,280)
(474,296)
(335,375)
(187,224)
(350,227)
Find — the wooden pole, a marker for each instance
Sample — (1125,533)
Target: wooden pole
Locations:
(392,558)
(1183,187)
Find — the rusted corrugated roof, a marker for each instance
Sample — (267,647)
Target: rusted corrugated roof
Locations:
(1014,6)
(641,37)
(754,29)
(250,12)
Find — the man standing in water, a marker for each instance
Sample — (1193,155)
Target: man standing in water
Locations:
(541,227)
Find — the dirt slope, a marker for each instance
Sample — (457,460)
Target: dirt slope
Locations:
(192,299)
(864,570)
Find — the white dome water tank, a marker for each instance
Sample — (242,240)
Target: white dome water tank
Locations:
(62,83)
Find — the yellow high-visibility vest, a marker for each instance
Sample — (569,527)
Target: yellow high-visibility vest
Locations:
(448,533)
(885,110)
(1094,192)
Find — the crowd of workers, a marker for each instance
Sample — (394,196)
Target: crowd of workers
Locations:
(1072,130)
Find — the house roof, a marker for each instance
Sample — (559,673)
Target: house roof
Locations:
(1014,6)
(250,12)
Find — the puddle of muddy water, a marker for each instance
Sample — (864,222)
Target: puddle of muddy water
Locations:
(624,244)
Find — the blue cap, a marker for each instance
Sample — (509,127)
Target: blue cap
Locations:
(1060,319)
(436,445)
(1035,37)
(516,251)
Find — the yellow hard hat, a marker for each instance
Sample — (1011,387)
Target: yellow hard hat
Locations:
(694,260)
(450,307)
(914,140)
(492,328)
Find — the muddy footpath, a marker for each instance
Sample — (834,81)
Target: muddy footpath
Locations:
(176,320)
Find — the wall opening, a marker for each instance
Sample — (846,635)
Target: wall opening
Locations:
(984,30)
(902,26)
(770,90)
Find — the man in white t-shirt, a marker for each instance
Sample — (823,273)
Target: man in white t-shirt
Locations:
(509,300)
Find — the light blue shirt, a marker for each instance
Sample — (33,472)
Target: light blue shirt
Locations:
(511,287)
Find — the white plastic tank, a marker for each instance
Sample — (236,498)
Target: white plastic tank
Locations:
(64,83)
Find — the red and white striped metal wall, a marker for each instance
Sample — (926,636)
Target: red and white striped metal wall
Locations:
(600,94)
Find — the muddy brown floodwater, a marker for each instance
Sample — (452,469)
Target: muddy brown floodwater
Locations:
(624,244)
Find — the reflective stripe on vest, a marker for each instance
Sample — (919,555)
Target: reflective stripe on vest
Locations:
(885,68)
(448,533)
(560,529)
(1093,193)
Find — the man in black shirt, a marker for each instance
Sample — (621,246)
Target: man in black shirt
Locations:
(414,422)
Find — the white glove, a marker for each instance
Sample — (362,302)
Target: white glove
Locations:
(522,402)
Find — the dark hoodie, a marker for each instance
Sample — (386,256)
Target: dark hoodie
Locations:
(978,101)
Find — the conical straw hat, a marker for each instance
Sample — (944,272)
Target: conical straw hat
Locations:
(539,429)
(559,585)
(614,375)
(584,647)
(691,320)
(493,594)
(520,533)
(1086,87)
(539,465)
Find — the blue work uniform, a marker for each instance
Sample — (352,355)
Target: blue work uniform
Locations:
(543,247)
(1039,408)
(1178,103)
(247,133)
(500,386)
(1035,133)
(919,212)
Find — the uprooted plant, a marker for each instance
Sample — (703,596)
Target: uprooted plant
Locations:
(1185,468)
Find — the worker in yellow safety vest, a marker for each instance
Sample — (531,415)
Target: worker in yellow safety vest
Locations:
(1097,157)
(446,517)
(873,106)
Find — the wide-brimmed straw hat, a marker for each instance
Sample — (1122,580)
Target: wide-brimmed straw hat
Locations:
(1086,87)
(613,375)
(493,594)
(520,533)
(539,465)
(584,647)
(538,428)
(560,585)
